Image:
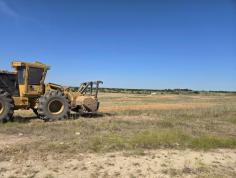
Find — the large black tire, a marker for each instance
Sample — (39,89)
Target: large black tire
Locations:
(53,105)
(6,106)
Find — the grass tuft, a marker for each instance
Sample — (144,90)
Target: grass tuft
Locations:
(210,142)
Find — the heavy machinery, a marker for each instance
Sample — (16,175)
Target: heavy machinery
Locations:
(25,89)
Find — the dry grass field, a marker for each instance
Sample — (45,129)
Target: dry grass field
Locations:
(133,136)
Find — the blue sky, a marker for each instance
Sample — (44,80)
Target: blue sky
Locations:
(126,43)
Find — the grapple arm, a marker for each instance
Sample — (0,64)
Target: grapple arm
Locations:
(90,85)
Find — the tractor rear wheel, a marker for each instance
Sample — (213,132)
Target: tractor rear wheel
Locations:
(53,105)
(6,106)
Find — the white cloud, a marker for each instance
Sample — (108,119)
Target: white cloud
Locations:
(7,10)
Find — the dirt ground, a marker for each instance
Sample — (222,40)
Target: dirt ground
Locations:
(126,116)
(152,163)
(156,106)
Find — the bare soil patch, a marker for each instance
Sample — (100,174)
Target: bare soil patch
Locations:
(158,163)
(8,140)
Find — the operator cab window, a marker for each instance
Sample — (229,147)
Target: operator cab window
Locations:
(21,75)
(35,75)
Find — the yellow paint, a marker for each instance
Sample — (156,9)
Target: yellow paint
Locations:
(22,90)
(21,102)
(2,108)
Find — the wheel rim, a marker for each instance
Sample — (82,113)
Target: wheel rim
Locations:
(1,107)
(55,107)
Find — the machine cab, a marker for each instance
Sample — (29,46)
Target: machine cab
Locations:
(30,77)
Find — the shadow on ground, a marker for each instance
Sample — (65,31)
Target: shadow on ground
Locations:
(27,119)
(21,119)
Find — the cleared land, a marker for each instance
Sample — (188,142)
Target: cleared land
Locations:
(134,136)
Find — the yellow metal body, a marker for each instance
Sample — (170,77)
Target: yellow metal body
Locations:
(25,89)
(29,94)
(21,102)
